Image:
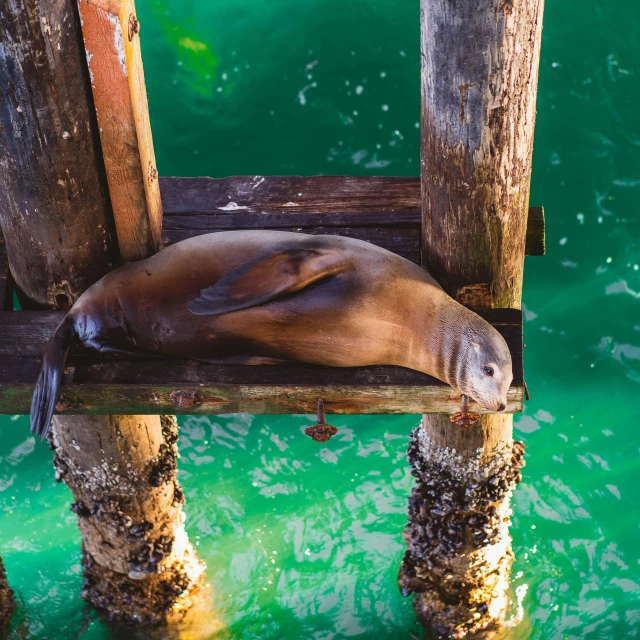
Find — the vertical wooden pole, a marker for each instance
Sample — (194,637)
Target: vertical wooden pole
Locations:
(479,83)
(58,223)
(110,30)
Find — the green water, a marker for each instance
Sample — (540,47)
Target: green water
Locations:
(301,540)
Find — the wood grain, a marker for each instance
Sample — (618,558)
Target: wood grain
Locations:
(49,156)
(344,205)
(117,82)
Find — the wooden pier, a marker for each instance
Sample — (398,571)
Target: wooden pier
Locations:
(384,211)
(81,193)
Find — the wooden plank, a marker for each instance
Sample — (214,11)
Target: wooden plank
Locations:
(203,205)
(292,194)
(404,241)
(110,33)
(150,385)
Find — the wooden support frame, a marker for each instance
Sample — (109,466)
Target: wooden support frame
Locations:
(110,32)
(150,385)
(384,211)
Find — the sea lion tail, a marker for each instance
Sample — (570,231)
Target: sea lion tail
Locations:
(45,392)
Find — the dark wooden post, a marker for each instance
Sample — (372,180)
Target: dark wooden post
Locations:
(57,219)
(479,83)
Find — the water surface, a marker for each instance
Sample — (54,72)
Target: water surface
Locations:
(303,540)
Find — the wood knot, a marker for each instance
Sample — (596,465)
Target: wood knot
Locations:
(186,398)
(134,27)
(152,174)
(64,403)
(475,296)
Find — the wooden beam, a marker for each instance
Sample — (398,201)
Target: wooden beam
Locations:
(360,207)
(110,32)
(146,385)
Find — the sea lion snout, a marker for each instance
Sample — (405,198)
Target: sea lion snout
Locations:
(488,371)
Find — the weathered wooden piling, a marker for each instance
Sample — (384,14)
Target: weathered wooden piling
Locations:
(479,83)
(7,600)
(57,218)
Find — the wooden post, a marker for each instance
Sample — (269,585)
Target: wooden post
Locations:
(57,221)
(479,83)
(110,31)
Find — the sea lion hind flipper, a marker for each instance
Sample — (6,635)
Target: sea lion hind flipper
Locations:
(45,392)
(268,278)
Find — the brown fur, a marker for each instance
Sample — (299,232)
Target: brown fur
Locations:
(254,296)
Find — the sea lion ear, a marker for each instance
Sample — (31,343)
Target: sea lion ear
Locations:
(268,278)
(475,345)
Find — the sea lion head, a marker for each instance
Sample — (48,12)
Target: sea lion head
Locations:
(487,372)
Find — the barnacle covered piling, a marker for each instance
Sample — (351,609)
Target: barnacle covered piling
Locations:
(459,556)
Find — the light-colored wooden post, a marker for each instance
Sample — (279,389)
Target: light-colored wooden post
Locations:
(479,83)
(110,30)
(62,234)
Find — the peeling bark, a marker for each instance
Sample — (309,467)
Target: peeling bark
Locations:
(479,84)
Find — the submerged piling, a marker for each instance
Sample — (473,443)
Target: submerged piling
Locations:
(479,84)
(61,236)
(7,600)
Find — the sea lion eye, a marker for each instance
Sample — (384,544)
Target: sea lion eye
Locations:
(488,371)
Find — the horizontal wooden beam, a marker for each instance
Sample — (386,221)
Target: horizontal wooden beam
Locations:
(382,210)
(148,385)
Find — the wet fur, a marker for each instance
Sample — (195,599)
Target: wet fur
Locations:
(270,295)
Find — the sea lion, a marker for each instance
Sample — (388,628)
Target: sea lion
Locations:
(270,296)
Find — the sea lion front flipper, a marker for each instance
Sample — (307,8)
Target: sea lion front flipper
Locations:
(268,278)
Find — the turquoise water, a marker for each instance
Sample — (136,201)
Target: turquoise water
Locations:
(302,540)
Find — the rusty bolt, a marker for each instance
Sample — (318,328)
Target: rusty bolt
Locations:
(65,402)
(465,418)
(134,26)
(321,431)
(186,399)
